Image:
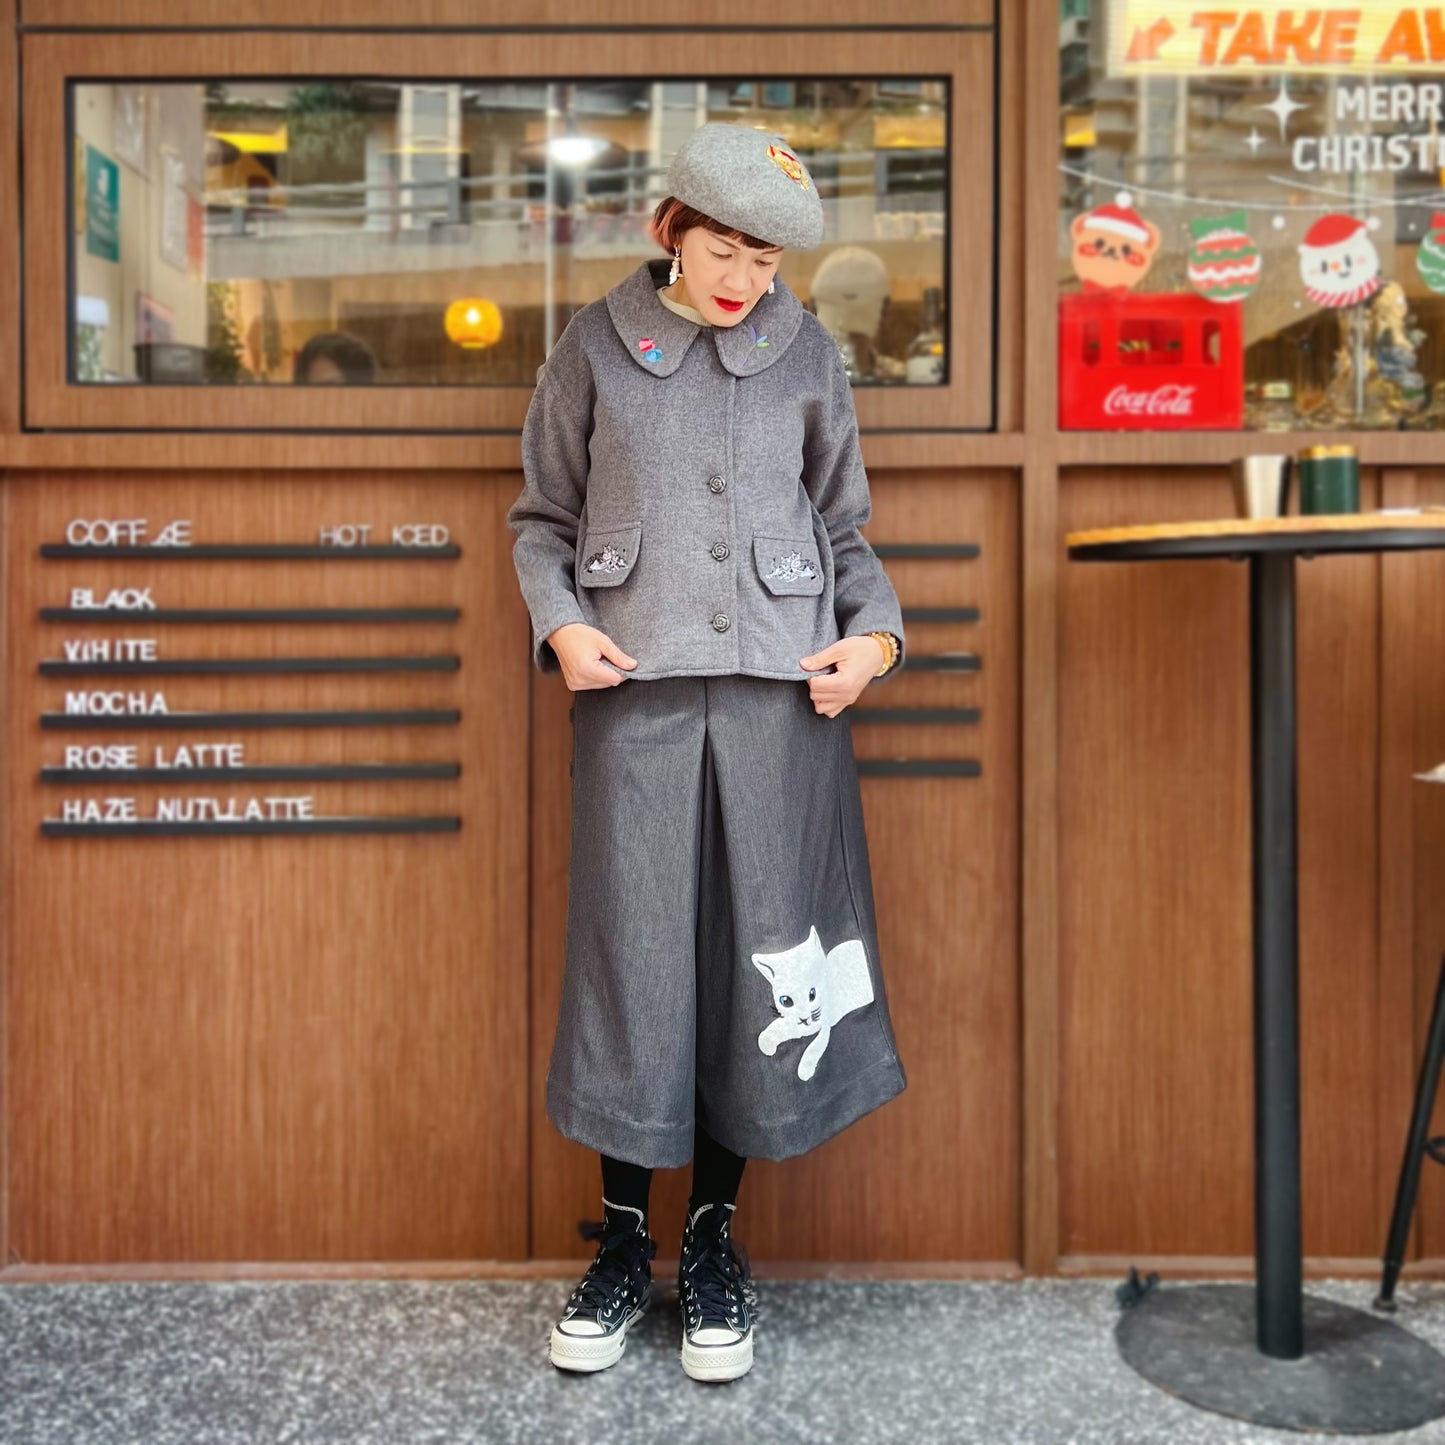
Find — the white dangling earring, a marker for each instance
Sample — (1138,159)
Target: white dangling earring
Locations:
(770,288)
(676,270)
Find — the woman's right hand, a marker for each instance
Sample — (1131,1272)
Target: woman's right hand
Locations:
(587,657)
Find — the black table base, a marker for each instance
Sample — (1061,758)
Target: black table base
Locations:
(1278,1225)
(1359,1374)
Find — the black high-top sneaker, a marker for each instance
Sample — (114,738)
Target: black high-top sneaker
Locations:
(713,1287)
(610,1298)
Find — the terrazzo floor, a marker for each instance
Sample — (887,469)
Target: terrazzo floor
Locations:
(457,1362)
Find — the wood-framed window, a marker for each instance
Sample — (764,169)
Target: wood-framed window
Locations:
(215,223)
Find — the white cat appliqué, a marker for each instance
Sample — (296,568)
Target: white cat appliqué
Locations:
(812,990)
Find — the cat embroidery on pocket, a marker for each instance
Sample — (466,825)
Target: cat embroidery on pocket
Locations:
(792,567)
(812,990)
(609,559)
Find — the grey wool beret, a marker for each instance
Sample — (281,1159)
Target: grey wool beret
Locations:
(750,180)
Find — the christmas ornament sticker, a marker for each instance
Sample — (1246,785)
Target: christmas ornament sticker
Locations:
(1114,246)
(1430,258)
(1224,263)
(1338,262)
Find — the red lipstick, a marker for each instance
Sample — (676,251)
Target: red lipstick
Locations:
(728,305)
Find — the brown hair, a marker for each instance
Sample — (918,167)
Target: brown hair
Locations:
(673,219)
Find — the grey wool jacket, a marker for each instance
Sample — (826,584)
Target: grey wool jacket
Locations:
(697,497)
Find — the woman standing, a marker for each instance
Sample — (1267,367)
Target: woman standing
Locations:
(688,548)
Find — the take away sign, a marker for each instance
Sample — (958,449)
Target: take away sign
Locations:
(1175,37)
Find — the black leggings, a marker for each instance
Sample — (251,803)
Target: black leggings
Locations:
(716,1174)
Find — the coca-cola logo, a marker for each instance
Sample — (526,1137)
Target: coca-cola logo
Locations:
(1168,400)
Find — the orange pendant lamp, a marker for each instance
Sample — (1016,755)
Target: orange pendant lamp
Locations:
(474,323)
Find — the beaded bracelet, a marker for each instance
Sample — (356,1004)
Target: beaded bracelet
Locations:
(889,643)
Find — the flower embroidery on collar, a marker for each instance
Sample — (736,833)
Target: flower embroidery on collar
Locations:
(650,350)
(758,342)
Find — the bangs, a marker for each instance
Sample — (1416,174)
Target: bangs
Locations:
(673,219)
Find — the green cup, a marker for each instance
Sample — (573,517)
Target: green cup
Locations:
(1329,480)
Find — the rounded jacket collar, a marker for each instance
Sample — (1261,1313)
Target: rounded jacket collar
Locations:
(657,339)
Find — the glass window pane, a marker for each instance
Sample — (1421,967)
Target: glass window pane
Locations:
(1253,217)
(423,233)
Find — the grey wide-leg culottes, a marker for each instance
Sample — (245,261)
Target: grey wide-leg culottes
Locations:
(722,954)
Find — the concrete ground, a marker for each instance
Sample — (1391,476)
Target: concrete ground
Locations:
(456,1362)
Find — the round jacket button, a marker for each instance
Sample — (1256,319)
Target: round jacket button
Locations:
(717,484)
(721,622)
(720,551)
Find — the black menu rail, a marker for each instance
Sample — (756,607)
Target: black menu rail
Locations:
(417,717)
(259,773)
(236,666)
(117,636)
(248,552)
(92,616)
(54,828)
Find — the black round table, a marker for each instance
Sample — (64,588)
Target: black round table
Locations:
(1265,1352)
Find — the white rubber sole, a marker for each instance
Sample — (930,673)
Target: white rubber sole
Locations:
(717,1362)
(588,1353)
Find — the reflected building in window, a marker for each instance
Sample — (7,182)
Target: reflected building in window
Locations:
(259,215)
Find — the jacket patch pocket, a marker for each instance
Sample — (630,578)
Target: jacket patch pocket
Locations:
(789,567)
(609,555)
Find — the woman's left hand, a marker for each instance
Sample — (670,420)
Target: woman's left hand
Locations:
(857,660)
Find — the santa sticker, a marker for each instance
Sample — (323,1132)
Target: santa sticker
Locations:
(1114,246)
(1338,262)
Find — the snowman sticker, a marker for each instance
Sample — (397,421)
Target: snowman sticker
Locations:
(1338,262)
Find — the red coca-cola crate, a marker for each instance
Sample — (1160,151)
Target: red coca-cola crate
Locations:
(1150,363)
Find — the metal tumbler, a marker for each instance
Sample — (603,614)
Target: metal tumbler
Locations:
(1261,486)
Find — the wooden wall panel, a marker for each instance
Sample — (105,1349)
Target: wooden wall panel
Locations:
(483,14)
(1154,890)
(934,1175)
(317,1050)
(1399,666)
(1340,968)
(1029,50)
(10,381)
(11,311)
(1156,1059)
(1424,630)
(272,1048)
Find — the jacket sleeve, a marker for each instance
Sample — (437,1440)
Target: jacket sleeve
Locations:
(863,598)
(547,513)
